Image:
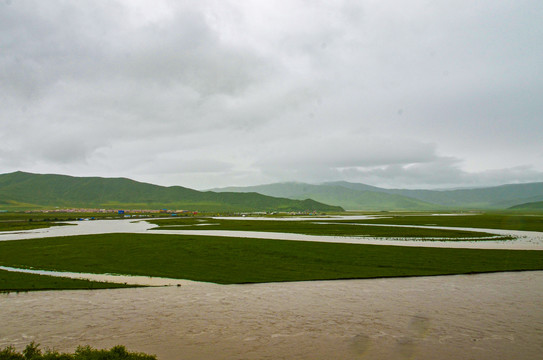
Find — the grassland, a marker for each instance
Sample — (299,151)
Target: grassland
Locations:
(27,225)
(490,220)
(237,260)
(328,227)
(16,221)
(15,281)
(20,190)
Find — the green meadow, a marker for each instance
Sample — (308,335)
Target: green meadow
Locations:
(328,227)
(489,220)
(240,260)
(16,221)
(27,225)
(16,281)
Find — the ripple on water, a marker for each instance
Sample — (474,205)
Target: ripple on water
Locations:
(485,316)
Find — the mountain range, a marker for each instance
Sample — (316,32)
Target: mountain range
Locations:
(21,191)
(355,196)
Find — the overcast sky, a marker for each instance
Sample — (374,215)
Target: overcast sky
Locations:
(415,94)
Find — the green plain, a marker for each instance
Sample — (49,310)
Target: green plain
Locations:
(26,225)
(15,221)
(240,260)
(328,227)
(16,281)
(490,220)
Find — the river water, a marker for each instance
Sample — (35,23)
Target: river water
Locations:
(487,316)
(524,240)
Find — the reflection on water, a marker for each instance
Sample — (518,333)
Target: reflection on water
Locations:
(488,316)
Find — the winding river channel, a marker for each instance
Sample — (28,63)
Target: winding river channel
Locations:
(524,240)
(486,316)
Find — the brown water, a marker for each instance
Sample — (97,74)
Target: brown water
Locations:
(488,316)
(114,278)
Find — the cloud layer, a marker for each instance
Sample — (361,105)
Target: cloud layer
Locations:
(217,93)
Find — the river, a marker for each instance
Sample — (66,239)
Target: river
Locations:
(486,316)
(524,240)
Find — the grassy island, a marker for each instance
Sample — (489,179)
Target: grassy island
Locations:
(330,227)
(242,260)
(16,281)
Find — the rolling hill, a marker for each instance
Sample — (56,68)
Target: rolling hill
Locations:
(350,198)
(355,196)
(538,205)
(20,190)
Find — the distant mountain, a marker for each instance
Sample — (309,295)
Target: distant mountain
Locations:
(287,189)
(496,197)
(335,193)
(355,196)
(538,205)
(20,190)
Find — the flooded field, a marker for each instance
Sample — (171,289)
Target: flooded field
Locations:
(488,316)
(524,240)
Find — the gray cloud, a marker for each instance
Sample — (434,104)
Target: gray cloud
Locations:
(210,93)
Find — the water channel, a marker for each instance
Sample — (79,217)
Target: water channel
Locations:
(487,316)
(524,240)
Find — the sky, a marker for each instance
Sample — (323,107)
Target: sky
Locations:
(214,93)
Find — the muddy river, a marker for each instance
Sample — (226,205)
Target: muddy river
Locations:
(488,316)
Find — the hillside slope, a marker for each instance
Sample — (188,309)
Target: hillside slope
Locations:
(25,190)
(347,198)
(538,205)
(355,196)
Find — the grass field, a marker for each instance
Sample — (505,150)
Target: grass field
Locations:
(16,221)
(14,281)
(501,220)
(328,227)
(237,260)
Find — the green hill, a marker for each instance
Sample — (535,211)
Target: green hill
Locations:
(365,200)
(538,205)
(347,198)
(355,196)
(20,190)
(496,197)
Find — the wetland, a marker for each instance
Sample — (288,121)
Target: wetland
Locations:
(269,309)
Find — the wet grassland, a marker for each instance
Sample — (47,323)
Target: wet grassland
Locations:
(327,227)
(244,260)
(19,221)
(488,220)
(17,281)
(232,260)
